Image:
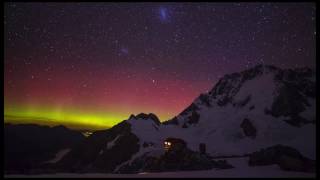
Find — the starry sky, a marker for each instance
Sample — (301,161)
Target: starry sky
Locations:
(91,65)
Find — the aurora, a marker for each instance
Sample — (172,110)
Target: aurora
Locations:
(92,65)
(73,119)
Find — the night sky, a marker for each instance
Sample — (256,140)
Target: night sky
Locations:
(91,65)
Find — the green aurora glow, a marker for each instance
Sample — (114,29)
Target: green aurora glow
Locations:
(70,118)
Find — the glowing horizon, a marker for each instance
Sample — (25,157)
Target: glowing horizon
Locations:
(74,119)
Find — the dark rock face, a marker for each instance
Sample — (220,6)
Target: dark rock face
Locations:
(299,79)
(288,102)
(226,88)
(248,128)
(28,146)
(271,155)
(243,102)
(192,107)
(173,121)
(292,97)
(294,164)
(94,155)
(194,118)
(286,157)
(258,70)
(205,99)
(298,121)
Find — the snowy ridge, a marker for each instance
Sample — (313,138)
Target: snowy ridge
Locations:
(145,129)
(245,95)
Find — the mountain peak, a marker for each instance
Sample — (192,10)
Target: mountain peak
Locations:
(244,89)
(145,116)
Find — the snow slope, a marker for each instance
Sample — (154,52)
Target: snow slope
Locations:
(239,96)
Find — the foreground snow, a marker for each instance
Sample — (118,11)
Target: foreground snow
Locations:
(241,170)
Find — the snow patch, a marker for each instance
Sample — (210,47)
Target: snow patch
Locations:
(111,143)
(60,154)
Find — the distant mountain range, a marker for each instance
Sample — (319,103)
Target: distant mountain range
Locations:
(28,146)
(262,109)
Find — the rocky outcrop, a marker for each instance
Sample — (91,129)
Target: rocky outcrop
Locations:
(243,102)
(248,128)
(289,163)
(173,121)
(286,157)
(292,99)
(205,99)
(192,107)
(192,119)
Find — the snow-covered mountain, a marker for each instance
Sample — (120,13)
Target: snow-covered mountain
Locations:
(244,112)
(252,109)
